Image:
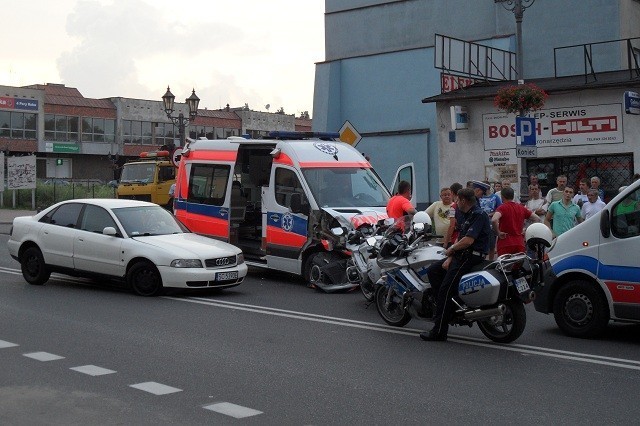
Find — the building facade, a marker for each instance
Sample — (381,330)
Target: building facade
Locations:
(381,56)
(82,138)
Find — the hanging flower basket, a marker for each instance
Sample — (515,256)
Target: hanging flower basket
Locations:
(520,99)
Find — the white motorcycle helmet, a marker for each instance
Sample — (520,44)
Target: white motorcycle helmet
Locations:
(538,233)
(424,219)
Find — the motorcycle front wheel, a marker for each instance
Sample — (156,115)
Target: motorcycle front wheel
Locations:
(392,313)
(507,327)
(368,289)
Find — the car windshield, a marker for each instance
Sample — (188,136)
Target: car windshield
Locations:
(148,220)
(138,173)
(346,187)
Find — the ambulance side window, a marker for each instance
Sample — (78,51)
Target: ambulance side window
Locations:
(208,184)
(287,183)
(625,218)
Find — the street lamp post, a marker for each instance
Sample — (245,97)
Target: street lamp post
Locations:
(180,120)
(517,7)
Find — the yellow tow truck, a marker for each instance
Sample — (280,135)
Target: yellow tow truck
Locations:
(148,178)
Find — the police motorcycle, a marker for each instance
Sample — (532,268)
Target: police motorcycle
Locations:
(492,294)
(362,268)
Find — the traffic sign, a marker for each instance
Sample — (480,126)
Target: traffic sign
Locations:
(526,129)
(175,157)
(526,151)
(349,134)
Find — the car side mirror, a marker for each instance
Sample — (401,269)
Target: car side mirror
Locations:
(109,230)
(605,223)
(297,206)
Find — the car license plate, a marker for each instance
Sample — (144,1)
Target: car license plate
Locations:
(224,276)
(521,284)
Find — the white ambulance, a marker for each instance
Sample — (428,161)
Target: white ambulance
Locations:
(596,269)
(278,199)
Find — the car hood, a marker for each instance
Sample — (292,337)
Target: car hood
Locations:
(196,245)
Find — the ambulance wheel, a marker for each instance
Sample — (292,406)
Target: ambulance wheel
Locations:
(507,327)
(580,310)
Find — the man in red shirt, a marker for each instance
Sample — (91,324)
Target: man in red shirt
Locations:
(399,205)
(508,223)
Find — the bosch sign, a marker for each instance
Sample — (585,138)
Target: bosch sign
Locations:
(584,125)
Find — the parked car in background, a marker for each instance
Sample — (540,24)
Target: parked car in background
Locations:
(135,241)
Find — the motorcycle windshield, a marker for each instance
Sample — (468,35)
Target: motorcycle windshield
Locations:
(402,225)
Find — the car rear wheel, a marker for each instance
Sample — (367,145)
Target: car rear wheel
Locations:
(144,279)
(34,270)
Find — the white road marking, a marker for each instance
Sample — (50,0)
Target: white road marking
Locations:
(43,356)
(233,410)
(92,370)
(5,344)
(534,350)
(155,388)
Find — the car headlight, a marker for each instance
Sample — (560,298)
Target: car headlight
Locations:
(240,259)
(186,263)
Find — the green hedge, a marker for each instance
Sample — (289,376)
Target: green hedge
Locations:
(47,195)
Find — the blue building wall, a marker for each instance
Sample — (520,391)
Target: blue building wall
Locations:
(380,63)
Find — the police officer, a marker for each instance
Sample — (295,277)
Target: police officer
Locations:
(470,249)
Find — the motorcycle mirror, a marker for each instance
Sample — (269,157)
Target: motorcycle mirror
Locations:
(371,241)
(389,221)
(337,231)
(418,227)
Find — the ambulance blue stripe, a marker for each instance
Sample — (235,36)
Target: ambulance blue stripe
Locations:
(299,224)
(203,209)
(606,272)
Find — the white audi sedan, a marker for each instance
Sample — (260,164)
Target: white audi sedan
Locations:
(136,241)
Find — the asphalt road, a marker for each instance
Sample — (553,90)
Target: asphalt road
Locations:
(272,351)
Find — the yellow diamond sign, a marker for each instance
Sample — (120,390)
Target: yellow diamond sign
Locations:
(349,134)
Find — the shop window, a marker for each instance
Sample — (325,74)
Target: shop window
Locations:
(18,125)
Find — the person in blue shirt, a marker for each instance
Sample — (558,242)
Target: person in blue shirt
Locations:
(470,249)
(488,203)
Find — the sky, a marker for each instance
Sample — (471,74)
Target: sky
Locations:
(257,52)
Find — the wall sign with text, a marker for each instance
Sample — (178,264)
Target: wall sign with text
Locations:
(570,126)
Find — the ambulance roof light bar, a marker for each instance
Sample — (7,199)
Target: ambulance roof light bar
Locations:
(280,134)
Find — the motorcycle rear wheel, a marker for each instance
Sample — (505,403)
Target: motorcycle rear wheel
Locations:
(395,315)
(507,327)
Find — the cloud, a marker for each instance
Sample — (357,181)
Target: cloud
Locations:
(248,51)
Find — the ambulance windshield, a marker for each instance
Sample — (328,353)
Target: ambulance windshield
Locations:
(346,187)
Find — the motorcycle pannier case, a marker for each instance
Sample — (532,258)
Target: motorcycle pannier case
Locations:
(482,288)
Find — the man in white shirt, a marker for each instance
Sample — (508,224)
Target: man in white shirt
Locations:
(593,205)
(581,197)
(555,194)
(536,203)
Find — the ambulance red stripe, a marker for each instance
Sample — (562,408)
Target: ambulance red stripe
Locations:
(624,292)
(315,164)
(279,236)
(213,155)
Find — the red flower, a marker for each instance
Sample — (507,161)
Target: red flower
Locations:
(520,99)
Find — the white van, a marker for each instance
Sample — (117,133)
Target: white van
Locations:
(596,269)
(278,199)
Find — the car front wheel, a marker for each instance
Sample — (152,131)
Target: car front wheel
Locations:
(144,279)
(580,310)
(34,270)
